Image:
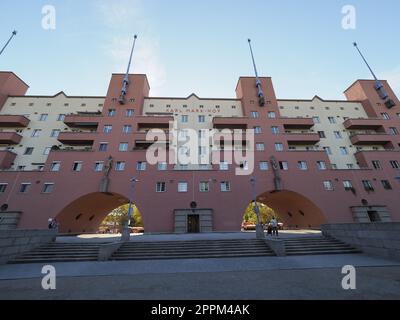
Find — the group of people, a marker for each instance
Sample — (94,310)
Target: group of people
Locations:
(272,227)
(52,223)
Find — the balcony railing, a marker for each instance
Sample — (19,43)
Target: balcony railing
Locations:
(297,123)
(367,123)
(370,139)
(77,138)
(10,138)
(302,138)
(14,121)
(82,120)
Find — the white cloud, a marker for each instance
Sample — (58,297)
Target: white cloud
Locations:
(393,77)
(124,16)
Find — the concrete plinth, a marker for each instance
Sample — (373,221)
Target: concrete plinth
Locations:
(260,231)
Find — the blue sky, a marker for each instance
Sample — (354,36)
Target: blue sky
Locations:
(187,46)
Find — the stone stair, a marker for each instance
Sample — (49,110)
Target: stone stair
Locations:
(60,252)
(192,249)
(317,245)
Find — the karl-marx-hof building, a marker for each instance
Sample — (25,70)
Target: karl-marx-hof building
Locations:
(76,158)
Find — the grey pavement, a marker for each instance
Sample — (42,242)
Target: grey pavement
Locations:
(371,283)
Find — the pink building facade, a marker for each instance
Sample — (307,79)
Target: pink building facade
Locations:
(302,197)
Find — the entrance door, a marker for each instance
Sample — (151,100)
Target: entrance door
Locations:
(193,223)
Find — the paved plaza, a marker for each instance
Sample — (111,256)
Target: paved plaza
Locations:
(293,277)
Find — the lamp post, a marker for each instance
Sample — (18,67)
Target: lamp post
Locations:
(126,231)
(259,227)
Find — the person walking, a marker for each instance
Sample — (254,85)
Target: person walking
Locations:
(274,224)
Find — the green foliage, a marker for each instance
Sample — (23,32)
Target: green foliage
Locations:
(266,213)
(119,216)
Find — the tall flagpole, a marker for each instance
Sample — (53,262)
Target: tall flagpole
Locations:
(261,97)
(378,84)
(125,83)
(14,33)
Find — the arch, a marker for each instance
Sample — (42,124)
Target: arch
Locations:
(294,209)
(85,214)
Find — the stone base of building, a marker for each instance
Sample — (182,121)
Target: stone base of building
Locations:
(193,221)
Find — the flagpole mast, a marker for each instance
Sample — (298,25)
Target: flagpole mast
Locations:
(13,34)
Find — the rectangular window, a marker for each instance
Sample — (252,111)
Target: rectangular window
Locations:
(103,146)
(184,118)
(28,151)
(43,117)
(332,120)
(182,186)
(3,187)
(328,186)
(123,147)
(112,112)
(24,187)
(55,166)
(271,115)
(204,186)
(376,164)
(283,165)
(302,165)
(55,133)
(202,119)
(61,117)
(223,166)
(48,188)
(337,134)
(107,129)
(347,185)
(367,185)
(316,120)
(36,133)
(395,164)
(263,165)
(343,151)
(127,129)
(321,165)
(393,131)
(120,166)
(162,166)
(386,185)
(321,134)
(141,166)
(328,150)
(275,130)
(98,166)
(46,151)
(130,113)
(254,114)
(161,187)
(225,186)
(385,115)
(350,166)
(278,146)
(77,166)
(260,147)
(257,130)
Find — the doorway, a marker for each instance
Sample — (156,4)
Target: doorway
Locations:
(193,223)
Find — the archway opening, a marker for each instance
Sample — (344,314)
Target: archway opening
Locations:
(293,210)
(87,213)
(117,219)
(250,217)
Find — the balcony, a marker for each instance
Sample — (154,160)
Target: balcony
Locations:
(302,138)
(154,122)
(370,139)
(6,159)
(297,123)
(14,121)
(360,124)
(82,120)
(230,123)
(77,138)
(10,138)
